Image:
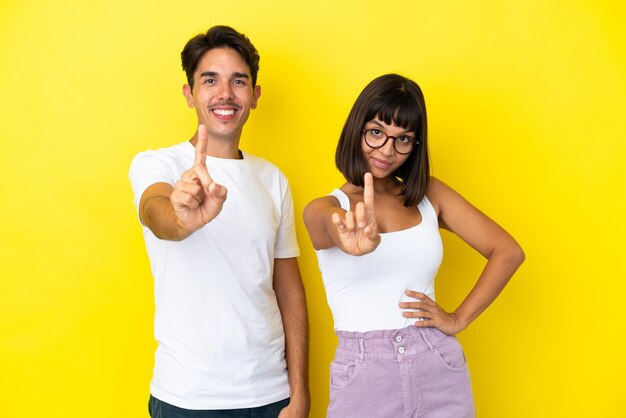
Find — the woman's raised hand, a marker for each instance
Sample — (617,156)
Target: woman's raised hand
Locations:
(358,230)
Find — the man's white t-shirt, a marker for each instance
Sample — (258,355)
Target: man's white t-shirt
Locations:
(217,323)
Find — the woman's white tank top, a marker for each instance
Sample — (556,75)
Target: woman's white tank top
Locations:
(363,292)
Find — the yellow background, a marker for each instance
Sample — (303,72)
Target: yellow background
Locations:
(526,105)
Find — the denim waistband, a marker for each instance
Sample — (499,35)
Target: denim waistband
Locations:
(390,343)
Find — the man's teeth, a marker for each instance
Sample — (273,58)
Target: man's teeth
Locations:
(224,112)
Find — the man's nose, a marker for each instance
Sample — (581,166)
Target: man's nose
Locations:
(225,91)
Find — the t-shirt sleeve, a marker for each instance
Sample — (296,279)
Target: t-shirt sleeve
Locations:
(286,241)
(146,169)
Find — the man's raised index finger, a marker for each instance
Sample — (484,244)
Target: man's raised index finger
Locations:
(201,145)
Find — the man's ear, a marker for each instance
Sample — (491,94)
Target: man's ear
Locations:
(188,95)
(256,93)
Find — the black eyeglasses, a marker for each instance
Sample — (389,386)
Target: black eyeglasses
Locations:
(376,138)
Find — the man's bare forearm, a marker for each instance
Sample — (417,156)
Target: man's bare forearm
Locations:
(292,304)
(157,213)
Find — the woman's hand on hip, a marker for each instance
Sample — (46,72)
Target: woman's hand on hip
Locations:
(429,314)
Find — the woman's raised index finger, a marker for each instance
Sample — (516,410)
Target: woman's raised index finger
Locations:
(368,191)
(201,146)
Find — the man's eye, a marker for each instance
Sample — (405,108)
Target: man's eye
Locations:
(209,81)
(239,82)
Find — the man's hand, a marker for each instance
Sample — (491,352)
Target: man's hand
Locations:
(293,410)
(358,231)
(196,198)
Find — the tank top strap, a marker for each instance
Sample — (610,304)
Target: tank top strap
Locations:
(428,211)
(343,199)
(425,207)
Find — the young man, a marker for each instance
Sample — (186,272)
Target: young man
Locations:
(230,317)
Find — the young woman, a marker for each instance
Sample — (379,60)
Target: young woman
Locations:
(379,248)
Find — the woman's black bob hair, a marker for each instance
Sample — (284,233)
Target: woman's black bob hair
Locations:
(393,99)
